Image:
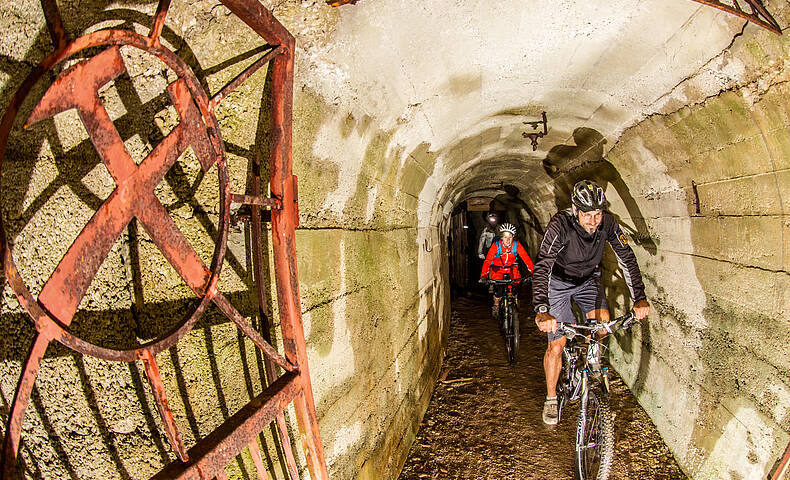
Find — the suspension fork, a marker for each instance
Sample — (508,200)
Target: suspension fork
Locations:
(505,309)
(564,390)
(583,409)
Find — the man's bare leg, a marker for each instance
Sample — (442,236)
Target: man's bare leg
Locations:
(552,364)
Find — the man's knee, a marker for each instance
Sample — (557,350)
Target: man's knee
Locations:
(554,348)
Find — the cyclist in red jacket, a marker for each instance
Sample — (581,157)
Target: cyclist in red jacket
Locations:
(501,260)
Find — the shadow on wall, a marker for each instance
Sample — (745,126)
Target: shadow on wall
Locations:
(567,164)
(24,202)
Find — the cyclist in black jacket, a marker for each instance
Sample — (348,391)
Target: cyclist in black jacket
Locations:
(567,269)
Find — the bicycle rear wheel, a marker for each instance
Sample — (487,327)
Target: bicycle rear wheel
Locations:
(513,336)
(595,439)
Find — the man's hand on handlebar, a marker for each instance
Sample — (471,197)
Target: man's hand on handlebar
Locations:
(641,309)
(483,280)
(546,322)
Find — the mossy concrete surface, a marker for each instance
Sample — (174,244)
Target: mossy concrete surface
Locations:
(713,364)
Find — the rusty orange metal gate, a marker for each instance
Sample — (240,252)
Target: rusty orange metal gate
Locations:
(133,197)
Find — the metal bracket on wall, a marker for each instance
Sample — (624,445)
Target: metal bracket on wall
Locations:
(534,136)
(134,197)
(758,15)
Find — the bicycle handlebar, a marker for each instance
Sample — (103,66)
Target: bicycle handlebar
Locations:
(505,282)
(486,280)
(619,323)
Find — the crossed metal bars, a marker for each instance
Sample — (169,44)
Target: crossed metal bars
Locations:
(53,310)
(758,14)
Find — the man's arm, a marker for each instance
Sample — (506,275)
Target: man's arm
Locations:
(481,244)
(488,260)
(554,241)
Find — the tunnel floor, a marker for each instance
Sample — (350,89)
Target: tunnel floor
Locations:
(484,419)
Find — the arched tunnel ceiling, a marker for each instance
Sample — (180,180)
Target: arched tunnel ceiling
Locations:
(463,76)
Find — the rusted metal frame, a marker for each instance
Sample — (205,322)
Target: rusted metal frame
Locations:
(261,20)
(257,201)
(284,248)
(207,289)
(783,466)
(255,453)
(284,221)
(233,314)
(296,200)
(47,326)
(210,455)
(159,20)
(55,24)
(134,196)
(52,297)
(16,416)
(759,15)
(162,405)
(240,78)
(110,37)
(265,316)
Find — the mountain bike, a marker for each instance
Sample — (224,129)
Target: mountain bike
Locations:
(508,315)
(583,378)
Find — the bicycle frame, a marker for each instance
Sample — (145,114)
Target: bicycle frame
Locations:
(575,379)
(508,315)
(583,358)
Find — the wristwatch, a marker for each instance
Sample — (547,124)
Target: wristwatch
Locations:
(543,309)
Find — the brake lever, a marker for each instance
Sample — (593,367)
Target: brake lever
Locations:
(630,321)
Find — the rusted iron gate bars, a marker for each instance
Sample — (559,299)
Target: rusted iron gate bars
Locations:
(758,14)
(54,309)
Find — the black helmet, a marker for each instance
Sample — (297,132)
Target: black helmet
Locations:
(588,196)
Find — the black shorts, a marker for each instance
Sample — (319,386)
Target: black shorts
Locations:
(588,295)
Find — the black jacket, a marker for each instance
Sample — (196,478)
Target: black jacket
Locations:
(573,255)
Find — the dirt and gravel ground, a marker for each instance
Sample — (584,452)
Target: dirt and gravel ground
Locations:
(484,420)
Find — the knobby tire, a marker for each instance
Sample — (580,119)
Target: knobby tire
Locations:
(595,463)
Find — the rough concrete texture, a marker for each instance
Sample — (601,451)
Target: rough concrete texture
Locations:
(401,111)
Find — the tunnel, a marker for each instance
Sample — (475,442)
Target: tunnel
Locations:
(403,115)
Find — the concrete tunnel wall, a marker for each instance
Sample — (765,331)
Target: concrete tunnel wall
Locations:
(385,145)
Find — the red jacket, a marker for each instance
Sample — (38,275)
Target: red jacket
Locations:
(505,262)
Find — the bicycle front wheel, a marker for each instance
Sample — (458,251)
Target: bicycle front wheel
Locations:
(595,438)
